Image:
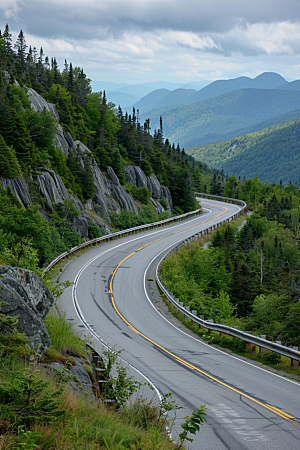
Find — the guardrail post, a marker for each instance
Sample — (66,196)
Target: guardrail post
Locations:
(201,327)
(295,362)
(194,311)
(261,349)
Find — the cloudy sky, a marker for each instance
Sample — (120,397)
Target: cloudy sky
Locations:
(135,41)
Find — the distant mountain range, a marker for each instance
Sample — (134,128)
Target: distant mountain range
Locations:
(127,95)
(273,154)
(218,111)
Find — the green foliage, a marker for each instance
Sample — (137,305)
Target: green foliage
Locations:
(128,219)
(27,398)
(269,357)
(24,440)
(11,341)
(119,387)
(164,203)
(10,167)
(192,424)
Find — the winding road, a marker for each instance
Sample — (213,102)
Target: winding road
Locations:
(114,303)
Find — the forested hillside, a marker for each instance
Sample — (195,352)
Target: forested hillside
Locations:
(273,154)
(96,134)
(221,118)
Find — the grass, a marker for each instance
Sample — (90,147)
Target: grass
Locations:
(63,338)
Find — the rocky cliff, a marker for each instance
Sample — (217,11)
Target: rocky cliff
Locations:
(110,196)
(28,298)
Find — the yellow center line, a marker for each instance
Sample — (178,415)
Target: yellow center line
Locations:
(177,358)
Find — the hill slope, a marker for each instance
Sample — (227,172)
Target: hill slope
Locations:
(273,154)
(220,118)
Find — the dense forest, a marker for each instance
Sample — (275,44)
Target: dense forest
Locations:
(114,139)
(248,276)
(272,154)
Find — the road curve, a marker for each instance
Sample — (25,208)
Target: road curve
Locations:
(250,408)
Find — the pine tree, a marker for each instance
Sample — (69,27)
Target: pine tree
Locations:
(21,46)
(9,167)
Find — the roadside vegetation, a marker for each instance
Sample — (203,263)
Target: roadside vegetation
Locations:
(248,277)
(40,410)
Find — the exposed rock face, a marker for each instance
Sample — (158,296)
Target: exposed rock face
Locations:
(109,194)
(38,103)
(20,190)
(80,224)
(109,197)
(83,381)
(167,194)
(130,174)
(159,208)
(30,300)
(141,179)
(136,176)
(60,140)
(52,188)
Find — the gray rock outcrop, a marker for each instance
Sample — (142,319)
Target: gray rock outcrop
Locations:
(38,103)
(52,188)
(166,194)
(61,141)
(20,189)
(130,174)
(83,382)
(28,298)
(141,179)
(109,194)
(136,176)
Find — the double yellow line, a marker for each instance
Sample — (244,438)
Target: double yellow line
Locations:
(275,410)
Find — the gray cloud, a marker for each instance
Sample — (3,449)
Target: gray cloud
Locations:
(99,19)
(162,39)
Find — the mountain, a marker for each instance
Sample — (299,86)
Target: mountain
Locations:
(142,89)
(164,97)
(186,95)
(220,118)
(266,80)
(273,154)
(292,86)
(108,86)
(126,101)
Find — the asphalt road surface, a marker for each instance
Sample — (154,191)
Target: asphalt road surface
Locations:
(249,407)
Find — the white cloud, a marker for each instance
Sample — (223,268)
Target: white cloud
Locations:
(10,8)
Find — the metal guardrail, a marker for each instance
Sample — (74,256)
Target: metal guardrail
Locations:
(112,236)
(232,331)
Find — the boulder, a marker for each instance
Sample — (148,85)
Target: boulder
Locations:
(78,145)
(38,103)
(30,300)
(83,382)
